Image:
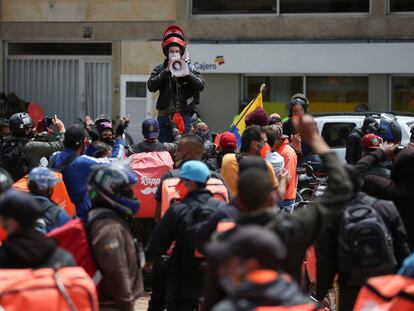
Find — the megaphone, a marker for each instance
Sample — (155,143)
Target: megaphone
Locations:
(179,68)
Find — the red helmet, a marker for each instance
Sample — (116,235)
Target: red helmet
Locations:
(174,41)
(173,31)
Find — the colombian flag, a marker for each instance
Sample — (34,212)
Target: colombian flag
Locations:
(238,126)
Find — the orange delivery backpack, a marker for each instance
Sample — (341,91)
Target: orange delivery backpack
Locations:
(389,292)
(60,195)
(47,289)
(169,195)
(150,168)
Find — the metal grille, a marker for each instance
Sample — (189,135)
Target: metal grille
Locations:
(67,87)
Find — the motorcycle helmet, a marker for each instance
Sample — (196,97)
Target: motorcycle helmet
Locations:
(19,122)
(103,123)
(389,128)
(298,99)
(173,41)
(113,185)
(173,31)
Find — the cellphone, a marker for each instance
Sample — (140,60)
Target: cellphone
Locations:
(47,121)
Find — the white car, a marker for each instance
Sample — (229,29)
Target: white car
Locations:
(335,127)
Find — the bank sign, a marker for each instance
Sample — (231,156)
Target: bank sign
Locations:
(211,66)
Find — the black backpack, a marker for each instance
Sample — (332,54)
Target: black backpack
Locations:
(13,157)
(365,245)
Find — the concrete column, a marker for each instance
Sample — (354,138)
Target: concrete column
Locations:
(378,93)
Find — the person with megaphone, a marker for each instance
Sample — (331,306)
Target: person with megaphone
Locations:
(179,85)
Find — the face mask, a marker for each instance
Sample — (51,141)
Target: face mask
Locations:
(264,151)
(108,140)
(174,55)
(201,134)
(226,284)
(3,234)
(182,190)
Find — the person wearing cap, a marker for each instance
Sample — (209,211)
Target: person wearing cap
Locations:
(353,142)
(22,246)
(275,119)
(227,144)
(184,277)
(370,143)
(177,94)
(249,271)
(277,161)
(40,183)
(76,167)
(151,131)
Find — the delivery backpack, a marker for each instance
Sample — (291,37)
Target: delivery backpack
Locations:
(365,245)
(13,157)
(150,168)
(47,289)
(73,238)
(169,195)
(389,292)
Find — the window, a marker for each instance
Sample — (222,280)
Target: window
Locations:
(218,7)
(337,94)
(277,93)
(335,134)
(402,89)
(234,6)
(401,6)
(323,6)
(136,89)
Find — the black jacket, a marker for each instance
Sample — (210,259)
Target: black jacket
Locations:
(185,275)
(176,94)
(249,295)
(399,189)
(29,248)
(327,246)
(353,146)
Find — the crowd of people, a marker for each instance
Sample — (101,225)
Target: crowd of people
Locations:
(227,231)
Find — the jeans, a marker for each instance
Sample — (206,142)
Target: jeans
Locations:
(165,135)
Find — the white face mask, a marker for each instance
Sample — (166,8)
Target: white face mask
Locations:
(174,55)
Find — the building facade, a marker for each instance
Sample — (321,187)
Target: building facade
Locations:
(78,57)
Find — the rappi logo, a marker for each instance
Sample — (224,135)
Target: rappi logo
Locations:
(149,185)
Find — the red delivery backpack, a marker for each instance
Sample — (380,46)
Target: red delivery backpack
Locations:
(150,167)
(47,290)
(73,238)
(214,185)
(388,292)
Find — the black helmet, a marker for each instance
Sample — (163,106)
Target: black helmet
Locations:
(19,122)
(113,184)
(5,180)
(298,98)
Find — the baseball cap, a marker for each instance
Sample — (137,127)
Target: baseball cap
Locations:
(250,242)
(228,141)
(19,206)
(150,128)
(43,178)
(195,170)
(371,141)
(74,136)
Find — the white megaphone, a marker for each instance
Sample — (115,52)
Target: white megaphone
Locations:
(179,68)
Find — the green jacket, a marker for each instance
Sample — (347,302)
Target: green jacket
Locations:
(37,149)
